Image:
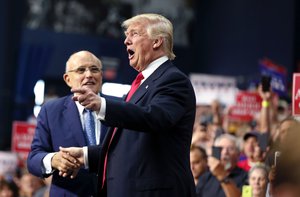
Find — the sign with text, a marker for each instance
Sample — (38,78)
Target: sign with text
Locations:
(278,75)
(209,88)
(22,135)
(296,94)
(8,163)
(248,105)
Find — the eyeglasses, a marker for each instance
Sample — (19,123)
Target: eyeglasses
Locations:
(81,70)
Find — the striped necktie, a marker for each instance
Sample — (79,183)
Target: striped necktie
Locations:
(89,127)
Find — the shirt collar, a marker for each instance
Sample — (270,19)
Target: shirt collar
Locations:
(79,107)
(153,66)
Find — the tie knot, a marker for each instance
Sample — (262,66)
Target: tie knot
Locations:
(139,78)
(87,111)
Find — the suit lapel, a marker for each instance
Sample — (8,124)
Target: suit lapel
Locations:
(71,116)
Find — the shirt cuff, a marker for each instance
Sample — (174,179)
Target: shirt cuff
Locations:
(102,111)
(85,157)
(47,167)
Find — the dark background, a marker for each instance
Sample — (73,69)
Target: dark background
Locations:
(224,38)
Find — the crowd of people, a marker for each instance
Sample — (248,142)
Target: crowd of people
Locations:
(246,165)
(24,184)
(156,142)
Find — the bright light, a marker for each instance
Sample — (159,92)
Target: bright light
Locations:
(39,91)
(36,110)
(115,89)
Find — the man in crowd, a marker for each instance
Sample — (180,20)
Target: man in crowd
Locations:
(198,158)
(223,178)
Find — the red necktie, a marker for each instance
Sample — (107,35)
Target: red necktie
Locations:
(134,86)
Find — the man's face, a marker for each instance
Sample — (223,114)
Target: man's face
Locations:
(249,146)
(84,71)
(229,153)
(139,46)
(198,163)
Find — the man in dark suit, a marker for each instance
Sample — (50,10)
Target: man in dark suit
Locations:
(146,151)
(62,122)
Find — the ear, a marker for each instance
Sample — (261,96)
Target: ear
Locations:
(157,42)
(67,79)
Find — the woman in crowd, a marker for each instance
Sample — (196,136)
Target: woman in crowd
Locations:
(258,180)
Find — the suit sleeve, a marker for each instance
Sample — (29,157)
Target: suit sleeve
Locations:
(41,145)
(94,158)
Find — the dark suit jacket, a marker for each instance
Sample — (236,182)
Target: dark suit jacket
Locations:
(149,155)
(58,124)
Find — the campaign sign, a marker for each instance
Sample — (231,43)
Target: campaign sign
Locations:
(278,76)
(296,94)
(209,88)
(22,136)
(248,104)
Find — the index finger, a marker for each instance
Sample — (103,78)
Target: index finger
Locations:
(78,90)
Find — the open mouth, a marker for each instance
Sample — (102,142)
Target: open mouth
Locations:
(130,53)
(89,83)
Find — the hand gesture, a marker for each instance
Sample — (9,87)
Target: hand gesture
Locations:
(266,96)
(216,168)
(87,98)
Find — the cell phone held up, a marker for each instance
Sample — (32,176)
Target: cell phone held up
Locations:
(276,156)
(216,152)
(266,83)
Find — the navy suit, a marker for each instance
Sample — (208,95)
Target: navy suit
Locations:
(149,155)
(58,124)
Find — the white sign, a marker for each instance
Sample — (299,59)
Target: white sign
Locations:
(8,163)
(213,87)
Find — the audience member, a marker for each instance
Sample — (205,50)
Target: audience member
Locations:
(198,160)
(281,133)
(224,178)
(258,180)
(285,175)
(249,147)
(8,189)
(29,184)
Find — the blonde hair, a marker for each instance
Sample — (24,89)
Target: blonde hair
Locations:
(157,26)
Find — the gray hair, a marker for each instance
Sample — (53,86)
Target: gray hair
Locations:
(262,167)
(229,137)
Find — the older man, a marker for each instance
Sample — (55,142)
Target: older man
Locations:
(63,122)
(224,178)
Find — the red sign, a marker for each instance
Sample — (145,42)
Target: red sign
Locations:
(22,136)
(248,104)
(296,94)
